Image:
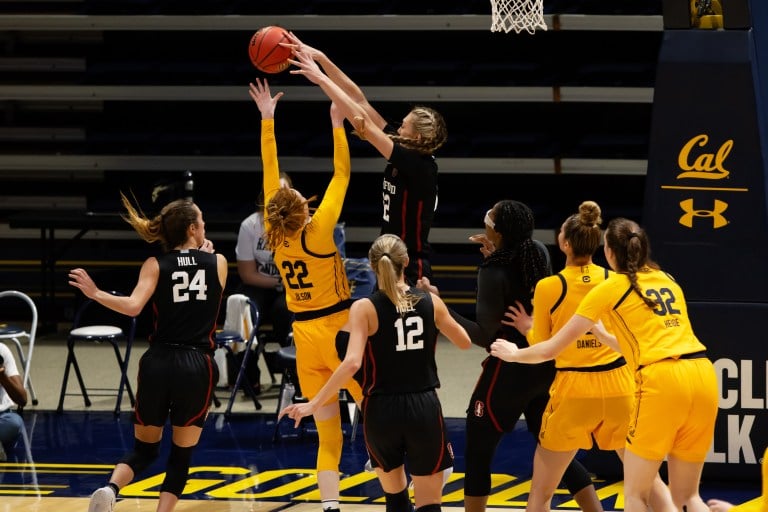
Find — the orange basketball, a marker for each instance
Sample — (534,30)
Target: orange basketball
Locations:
(265,51)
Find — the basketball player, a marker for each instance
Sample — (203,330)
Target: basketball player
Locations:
(676,387)
(177,373)
(513,264)
(759,504)
(316,286)
(393,337)
(591,396)
(409,188)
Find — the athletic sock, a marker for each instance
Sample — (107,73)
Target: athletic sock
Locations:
(330,505)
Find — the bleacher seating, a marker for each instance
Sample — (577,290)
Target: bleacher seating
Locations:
(102,102)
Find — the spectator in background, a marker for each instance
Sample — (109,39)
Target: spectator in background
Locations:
(12,393)
(260,279)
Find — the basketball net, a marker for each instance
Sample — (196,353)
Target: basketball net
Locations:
(517,15)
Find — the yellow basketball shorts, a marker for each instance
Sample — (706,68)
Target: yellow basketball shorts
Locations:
(586,404)
(675,410)
(316,357)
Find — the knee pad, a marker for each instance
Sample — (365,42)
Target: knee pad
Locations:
(433,507)
(576,477)
(142,456)
(177,470)
(331,440)
(398,502)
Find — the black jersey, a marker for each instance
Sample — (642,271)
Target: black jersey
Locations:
(499,284)
(409,198)
(187,299)
(400,356)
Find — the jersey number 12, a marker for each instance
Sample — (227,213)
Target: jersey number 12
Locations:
(409,331)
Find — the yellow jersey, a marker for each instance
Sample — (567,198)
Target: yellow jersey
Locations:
(309,262)
(645,335)
(555,299)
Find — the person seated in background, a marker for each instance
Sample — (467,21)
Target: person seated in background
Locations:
(12,393)
(258,272)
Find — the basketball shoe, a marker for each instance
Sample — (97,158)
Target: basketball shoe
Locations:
(102,500)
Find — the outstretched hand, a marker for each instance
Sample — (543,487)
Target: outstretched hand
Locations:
(517,317)
(296,412)
(305,64)
(487,247)
(296,43)
(80,279)
(504,350)
(263,98)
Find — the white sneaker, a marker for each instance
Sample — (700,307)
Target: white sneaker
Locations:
(102,500)
(447,472)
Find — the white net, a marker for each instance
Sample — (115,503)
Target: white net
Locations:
(517,15)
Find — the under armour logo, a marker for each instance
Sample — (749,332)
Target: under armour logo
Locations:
(718,220)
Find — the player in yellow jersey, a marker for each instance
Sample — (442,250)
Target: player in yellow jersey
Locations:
(316,286)
(592,394)
(676,394)
(759,504)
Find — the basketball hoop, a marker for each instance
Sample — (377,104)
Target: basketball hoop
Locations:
(517,15)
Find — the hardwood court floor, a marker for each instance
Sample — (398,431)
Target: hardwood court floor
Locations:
(16,504)
(146,505)
(237,466)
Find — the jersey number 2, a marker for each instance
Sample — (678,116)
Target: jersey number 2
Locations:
(385,202)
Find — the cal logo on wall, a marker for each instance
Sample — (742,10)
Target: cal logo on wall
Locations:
(705,204)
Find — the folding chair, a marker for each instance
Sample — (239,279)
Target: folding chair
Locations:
(89,325)
(16,334)
(240,326)
(290,391)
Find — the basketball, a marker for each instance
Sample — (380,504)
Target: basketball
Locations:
(265,51)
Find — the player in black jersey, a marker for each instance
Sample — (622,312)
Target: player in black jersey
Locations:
(513,263)
(409,188)
(177,373)
(392,338)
